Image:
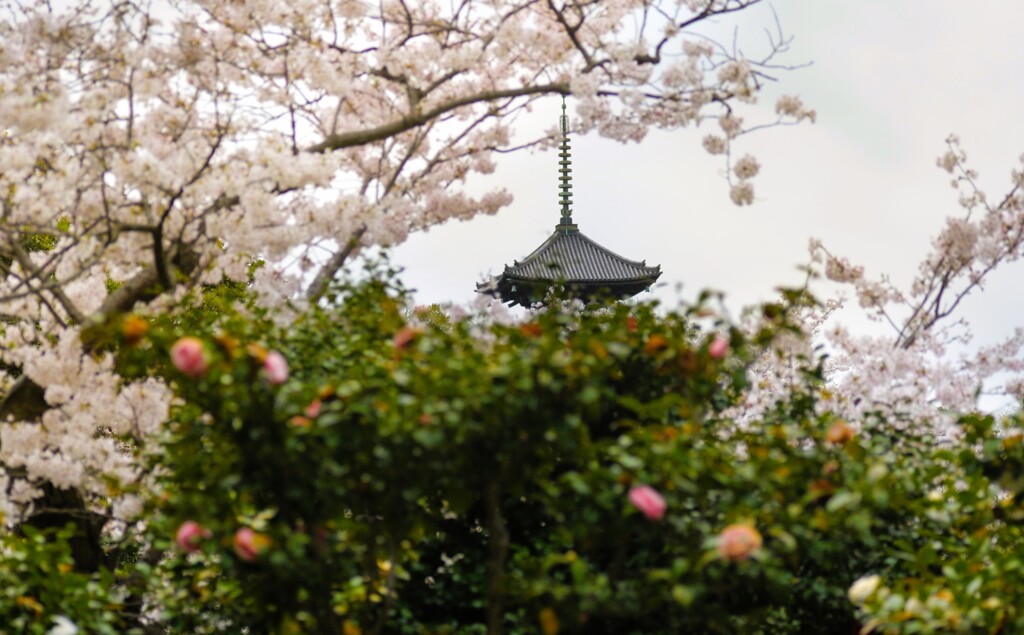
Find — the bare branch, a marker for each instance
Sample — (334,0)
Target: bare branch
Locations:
(330,269)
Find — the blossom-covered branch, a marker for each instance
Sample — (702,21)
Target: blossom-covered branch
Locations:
(915,371)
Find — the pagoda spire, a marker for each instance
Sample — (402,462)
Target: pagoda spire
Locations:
(565,171)
(569,261)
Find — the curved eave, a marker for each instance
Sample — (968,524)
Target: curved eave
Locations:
(530,291)
(570,256)
(647,278)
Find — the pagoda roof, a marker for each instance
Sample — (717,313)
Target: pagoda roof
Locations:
(573,261)
(569,256)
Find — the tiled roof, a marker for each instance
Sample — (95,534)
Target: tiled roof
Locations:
(569,256)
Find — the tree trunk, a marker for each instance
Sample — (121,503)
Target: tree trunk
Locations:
(497,551)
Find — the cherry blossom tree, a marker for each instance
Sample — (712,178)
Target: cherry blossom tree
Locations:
(921,369)
(153,148)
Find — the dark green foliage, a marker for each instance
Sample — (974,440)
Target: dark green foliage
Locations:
(37,583)
(421,474)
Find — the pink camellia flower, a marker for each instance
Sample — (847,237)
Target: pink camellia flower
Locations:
(718,348)
(313,409)
(739,542)
(648,501)
(188,356)
(404,336)
(839,433)
(275,367)
(249,544)
(189,535)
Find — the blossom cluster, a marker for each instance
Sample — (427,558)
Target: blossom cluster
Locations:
(78,441)
(925,369)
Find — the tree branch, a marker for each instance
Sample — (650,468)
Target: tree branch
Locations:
(330,269)
(408,122)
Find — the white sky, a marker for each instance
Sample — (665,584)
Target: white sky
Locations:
(890,80)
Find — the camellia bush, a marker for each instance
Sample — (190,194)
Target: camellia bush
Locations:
(373,468)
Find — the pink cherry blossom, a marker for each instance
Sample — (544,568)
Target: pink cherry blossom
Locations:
(648,501)
(742,193)
(188,356)
(189,535)
(746,168)
(275,368)
(718,348)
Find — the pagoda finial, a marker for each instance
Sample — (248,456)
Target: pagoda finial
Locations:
(565,171)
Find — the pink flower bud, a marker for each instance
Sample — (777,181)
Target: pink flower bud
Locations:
(313,409)
(249,544)
(648,501)
(275,367)
(839,433)
(189,535)
(739,542)
(718,348)
(188,356)
(404,337)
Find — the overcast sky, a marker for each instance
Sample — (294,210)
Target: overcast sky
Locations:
(890,80)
